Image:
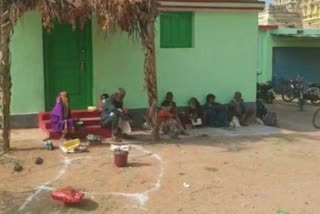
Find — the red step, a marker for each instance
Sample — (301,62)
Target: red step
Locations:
(91,123)
(94,121)
(74,114)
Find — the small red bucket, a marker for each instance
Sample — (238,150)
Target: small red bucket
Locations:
(121,158)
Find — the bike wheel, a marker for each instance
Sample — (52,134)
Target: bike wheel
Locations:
(288,95)
(315,102)
(316,119)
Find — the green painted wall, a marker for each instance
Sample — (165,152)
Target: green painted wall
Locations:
(27,66)
(118,62)
(266,44)
(224,59)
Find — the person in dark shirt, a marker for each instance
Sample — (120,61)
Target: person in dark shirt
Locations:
(216,115)
(113,114)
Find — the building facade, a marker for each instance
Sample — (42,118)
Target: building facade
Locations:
(310,11)
(281,16)
(201,47)
(284,53)
(292,13)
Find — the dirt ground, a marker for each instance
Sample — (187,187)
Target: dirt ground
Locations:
(206,174)
(292,119)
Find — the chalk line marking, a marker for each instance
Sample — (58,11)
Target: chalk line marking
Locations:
(62,171)
(140,197)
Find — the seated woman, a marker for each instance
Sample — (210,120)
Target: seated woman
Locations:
(168,118)
(60,116)
(216,115)
(168,101)
(195,112)
(238,109)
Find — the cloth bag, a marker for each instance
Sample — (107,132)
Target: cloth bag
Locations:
(270,119)
(67,195)
(235,123)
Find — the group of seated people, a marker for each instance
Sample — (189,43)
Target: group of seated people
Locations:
(212,114)
(171,121)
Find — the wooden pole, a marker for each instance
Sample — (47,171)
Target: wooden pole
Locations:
(151,76)
(5,77)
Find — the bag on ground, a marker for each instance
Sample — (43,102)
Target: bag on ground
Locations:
(270,119)
(67,195)
(235,123)
(261,110)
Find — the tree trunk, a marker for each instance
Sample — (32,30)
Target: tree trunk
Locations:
(151,76)
(5,77)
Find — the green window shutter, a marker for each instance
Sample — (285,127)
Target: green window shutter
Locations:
(176,30)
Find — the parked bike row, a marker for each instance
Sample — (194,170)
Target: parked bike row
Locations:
(293,89)
(296,89)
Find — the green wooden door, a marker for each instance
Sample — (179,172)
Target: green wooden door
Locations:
(68,65)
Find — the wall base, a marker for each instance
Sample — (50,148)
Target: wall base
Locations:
(24,121)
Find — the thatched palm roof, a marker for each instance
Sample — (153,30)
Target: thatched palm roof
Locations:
(131,16)
(128,15)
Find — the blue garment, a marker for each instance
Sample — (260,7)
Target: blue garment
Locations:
(216,115)
(110,114)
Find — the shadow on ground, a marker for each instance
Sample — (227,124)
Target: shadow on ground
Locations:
(291,118)
(43,204)
(86,204)
(240,143)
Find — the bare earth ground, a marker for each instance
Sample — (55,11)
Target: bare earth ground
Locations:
(250,170)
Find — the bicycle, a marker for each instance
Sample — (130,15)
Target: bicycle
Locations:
(316,119)
(295,89)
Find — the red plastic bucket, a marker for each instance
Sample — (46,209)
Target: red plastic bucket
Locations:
(121,158)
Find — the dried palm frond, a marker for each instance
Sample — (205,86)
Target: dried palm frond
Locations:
(127,15)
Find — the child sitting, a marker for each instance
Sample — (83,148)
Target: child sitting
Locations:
(103,99)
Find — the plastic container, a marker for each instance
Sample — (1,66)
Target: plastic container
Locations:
(121,158)
(71,144)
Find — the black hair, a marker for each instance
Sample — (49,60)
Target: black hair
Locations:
(104,96)
(209,96)
(193,99)
(169,93)
(237,93)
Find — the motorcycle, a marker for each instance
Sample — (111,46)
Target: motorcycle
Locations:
(265,92)
(295,89)
(312,94)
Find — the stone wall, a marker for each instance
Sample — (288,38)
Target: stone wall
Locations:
(310,10)
(292,13)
